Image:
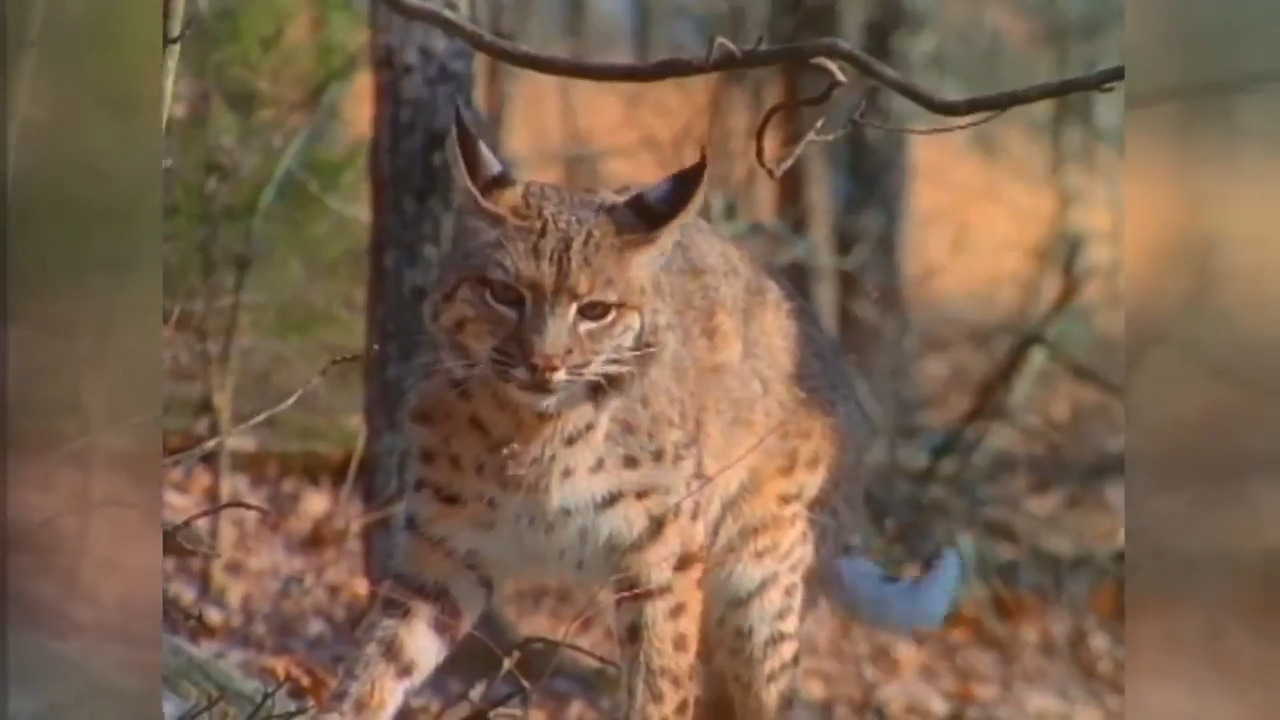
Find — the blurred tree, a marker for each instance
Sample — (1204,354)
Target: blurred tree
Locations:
(580,161)
(259,80)
(261,267)
(804,191)
(642,29)
(872,320)
(420,74)
(493,80)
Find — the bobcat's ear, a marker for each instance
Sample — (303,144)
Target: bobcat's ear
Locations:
(644,216)
(477,171)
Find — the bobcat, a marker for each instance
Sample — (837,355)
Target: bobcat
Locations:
(621,396)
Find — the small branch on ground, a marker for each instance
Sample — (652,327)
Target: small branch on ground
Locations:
(995,386)
(182,540)
(1078,369)
(533,656)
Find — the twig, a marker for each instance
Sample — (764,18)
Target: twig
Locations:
(1078,369)
(338,207)
(525,691)
(835,80)
(353,468)
(561,645)
(268,696)
(177,540)
(486,711)
(835,49)
(995,385)
(212,443)
(722,56)
(20,96)
(859,118)
(229,505)
(187,23)
(205,709)
(175,26)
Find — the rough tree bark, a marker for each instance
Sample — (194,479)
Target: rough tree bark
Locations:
(802,208)
(420,73)
(580,167)
(875,171)
(494,92)
(873,322)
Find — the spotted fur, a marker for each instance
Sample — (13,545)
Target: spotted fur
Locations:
(621,397)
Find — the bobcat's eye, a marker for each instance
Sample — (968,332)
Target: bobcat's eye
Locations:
(595,311)
(503,295)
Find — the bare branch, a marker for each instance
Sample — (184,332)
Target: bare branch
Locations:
(180,540)
(994,387)
(229,505)
(835,49)
(1078,369)
(212,443)
(175,24)
(187,23)
(859,118)
(835,81)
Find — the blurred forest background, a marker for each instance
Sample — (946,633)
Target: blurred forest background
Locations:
(973,275)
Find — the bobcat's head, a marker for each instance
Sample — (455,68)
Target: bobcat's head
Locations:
(550,291)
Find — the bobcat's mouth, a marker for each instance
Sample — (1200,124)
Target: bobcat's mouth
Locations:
(548,398)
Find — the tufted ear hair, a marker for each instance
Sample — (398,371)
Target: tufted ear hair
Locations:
(477,171)
(645,216)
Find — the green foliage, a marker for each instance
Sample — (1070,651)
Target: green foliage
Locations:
(260,159)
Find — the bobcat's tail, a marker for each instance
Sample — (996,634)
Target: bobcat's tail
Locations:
(866,593)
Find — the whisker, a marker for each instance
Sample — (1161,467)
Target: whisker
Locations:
(605,369)
(631,353)
(503,356)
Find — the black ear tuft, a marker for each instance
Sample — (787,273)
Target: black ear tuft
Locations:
(476,166)
(668,201)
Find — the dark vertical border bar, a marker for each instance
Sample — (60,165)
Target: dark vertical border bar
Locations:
(82,284)
(1202,258)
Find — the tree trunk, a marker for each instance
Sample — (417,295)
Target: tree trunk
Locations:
(873,324)
(494,89)
(420,73)
(875,166)
(799,209)
(580,168)
(642,27)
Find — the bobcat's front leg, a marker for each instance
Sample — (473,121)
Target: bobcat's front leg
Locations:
(659,613)
(407,636)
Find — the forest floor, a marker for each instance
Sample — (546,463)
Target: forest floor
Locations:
(1038,635)
(289,597)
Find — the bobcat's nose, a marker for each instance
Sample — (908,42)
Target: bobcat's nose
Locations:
(547,367)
